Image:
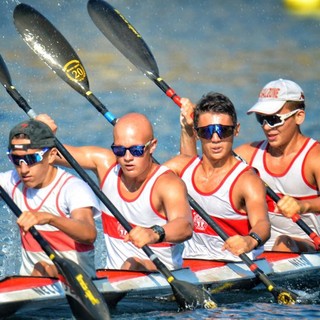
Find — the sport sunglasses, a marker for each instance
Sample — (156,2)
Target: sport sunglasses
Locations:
(275,120)
(136,151)
(221,130)
(28,159)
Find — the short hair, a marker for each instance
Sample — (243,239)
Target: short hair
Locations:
(214,102)
(293,105)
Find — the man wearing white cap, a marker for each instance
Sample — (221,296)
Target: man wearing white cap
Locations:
(288,162)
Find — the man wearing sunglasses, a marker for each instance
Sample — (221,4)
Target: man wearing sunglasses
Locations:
(288,162)
(149,196)
(227,189)
(59,205)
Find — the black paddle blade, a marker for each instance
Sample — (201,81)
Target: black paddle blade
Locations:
(5,77)
(87,302)
(123,36)
(188,296)
(51,46)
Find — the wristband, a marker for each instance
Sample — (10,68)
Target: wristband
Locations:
(160,231)
(257,238)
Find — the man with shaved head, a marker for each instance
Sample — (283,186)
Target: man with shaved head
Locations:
(150,197)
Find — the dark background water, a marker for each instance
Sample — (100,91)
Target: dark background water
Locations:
(231,46)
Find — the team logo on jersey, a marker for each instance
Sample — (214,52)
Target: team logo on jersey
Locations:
(199,223)
(121,230)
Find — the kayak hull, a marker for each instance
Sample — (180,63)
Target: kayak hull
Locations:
(19,294)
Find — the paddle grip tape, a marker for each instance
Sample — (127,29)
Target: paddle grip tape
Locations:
(171,94)
(110,117)
(31,114)
(168,91)
(253,267)
(295,217)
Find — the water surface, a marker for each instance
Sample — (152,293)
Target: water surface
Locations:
(233,47)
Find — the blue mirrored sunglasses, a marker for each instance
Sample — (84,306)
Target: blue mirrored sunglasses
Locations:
(136,151)
(28,159)
(221,130)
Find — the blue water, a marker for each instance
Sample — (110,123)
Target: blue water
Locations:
(233,47)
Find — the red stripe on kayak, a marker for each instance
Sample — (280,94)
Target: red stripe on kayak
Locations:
(24,282)
(197,265)
(119,275)
(275,256)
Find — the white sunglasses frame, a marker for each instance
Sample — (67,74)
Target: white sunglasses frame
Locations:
(283,118)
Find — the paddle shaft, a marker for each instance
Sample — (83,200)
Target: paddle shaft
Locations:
(16,210)
(253,267)
(297,219)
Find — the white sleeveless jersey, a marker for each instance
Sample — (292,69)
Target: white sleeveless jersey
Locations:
(61,197)
(138,211)
(205,242)
(293,183)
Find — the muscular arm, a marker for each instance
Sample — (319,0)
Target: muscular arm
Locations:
(254,195)
(249,195)
(92,158)
(80,227)
(287,205)
(170,199)
(174,204)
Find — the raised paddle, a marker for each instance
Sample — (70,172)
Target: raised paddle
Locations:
(130,43)
(56,52)
(52,47)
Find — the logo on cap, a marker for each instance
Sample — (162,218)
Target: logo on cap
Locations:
(269,93)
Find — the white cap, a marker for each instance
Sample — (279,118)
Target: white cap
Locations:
(275,94)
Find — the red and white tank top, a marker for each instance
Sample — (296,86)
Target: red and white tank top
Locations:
(291,182)
(205,243)
(138,211)
(56,199)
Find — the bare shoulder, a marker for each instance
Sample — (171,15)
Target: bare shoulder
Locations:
(93,157)
(249,182)
(313,158)
(178,163)
(247,150)
(169,181)
(315,150)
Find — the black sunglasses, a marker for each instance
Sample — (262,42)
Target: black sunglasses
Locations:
(221,130)
(136,151)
